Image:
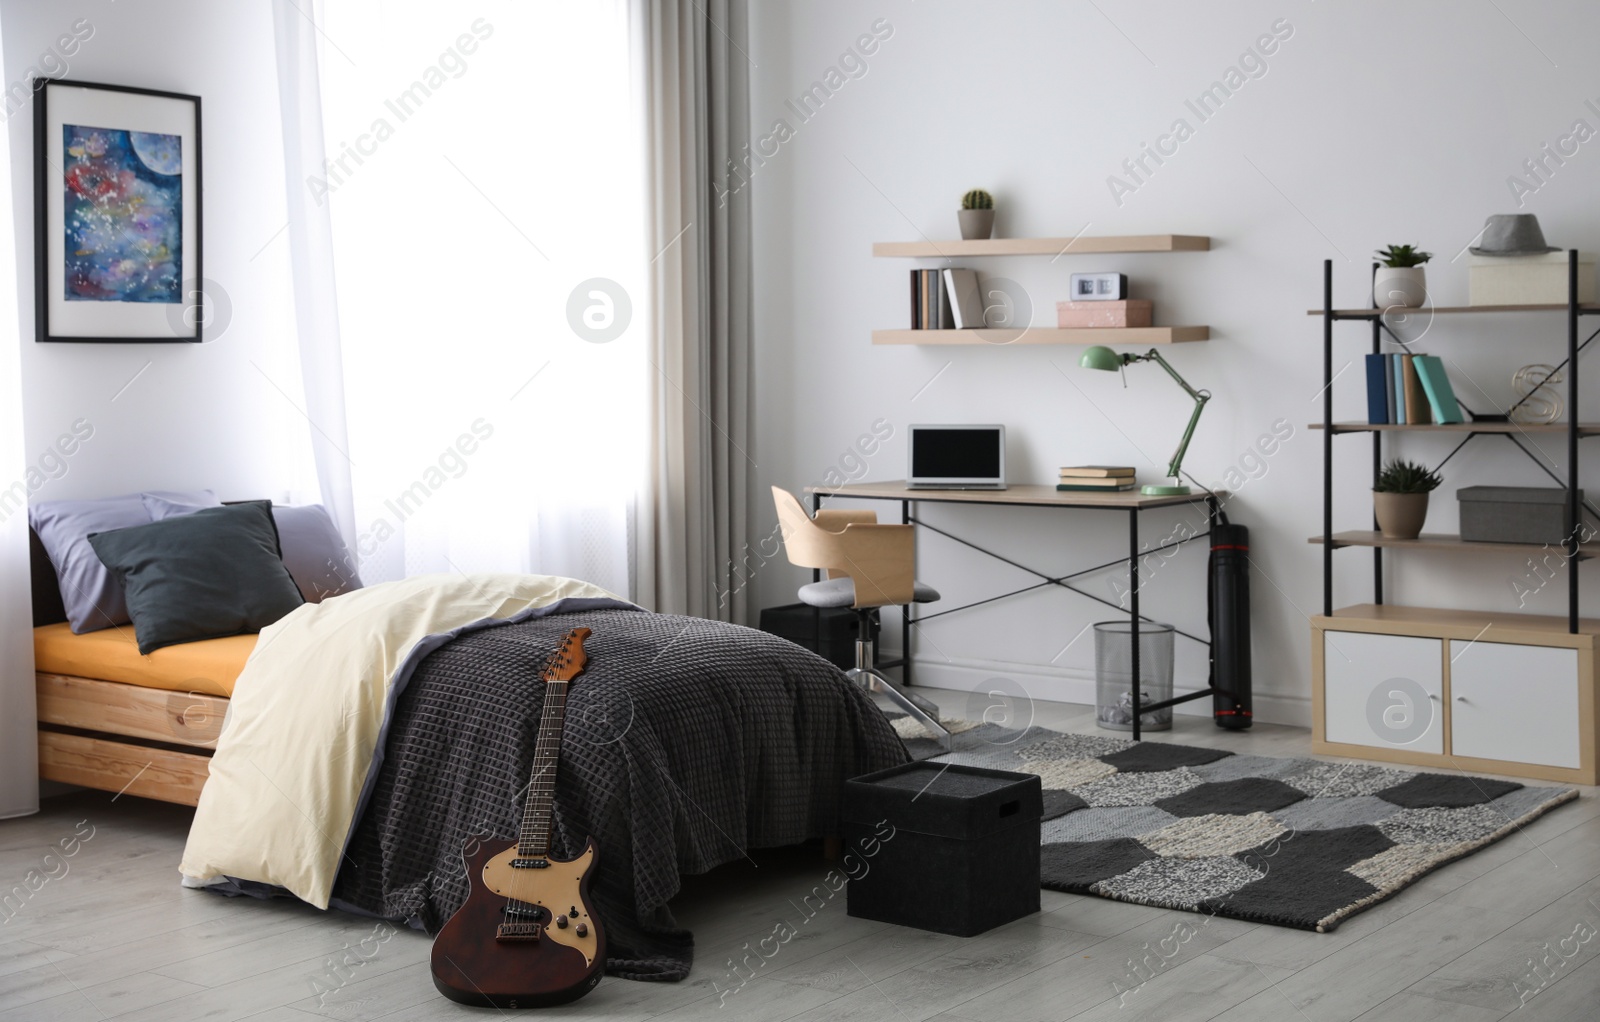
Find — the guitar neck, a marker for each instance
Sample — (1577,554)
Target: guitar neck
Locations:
(534,838)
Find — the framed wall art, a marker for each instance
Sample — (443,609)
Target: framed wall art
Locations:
(117,233)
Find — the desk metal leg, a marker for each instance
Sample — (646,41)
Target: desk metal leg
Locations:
(1133,613)
(905,612)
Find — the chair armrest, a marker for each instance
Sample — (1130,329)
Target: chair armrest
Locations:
(881,559)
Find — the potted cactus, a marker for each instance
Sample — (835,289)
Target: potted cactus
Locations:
(977,214)
(1400,500)
(1399,281)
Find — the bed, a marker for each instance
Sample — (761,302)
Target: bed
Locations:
(112,720)
(370,736)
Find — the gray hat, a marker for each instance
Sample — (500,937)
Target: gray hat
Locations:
(1508,234)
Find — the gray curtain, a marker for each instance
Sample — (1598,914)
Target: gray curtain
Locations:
(693,517)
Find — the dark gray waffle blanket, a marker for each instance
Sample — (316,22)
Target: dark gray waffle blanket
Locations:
(687,742)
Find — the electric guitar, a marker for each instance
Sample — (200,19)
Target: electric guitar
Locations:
(527,935)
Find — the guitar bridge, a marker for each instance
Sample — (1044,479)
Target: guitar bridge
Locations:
(519,932)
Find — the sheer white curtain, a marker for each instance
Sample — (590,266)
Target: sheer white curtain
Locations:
(19,753)
(485,180)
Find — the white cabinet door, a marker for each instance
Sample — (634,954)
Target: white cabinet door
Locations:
(1516,703)
(1384,691)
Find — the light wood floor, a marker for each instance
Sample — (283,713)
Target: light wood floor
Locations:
(113,936)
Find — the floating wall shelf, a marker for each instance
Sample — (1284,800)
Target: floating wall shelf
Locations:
(1047,335)
(1044,246)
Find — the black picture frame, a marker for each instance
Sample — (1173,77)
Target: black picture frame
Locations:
(48,177)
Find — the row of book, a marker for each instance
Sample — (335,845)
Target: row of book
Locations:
(1409,390)
(945,300)
(1104,478)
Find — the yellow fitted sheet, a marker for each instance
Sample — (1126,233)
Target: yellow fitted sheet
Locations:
(209,666)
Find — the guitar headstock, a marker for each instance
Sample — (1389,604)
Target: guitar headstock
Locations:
(568,661)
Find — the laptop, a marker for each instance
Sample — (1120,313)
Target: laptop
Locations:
(957,458)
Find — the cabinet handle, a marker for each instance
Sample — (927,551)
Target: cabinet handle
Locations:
(1461,699)
(1433,697)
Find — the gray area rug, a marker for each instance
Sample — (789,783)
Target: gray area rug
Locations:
(1293,842)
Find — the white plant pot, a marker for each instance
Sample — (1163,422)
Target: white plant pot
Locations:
(1402,287)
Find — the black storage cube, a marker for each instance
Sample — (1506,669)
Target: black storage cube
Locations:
(798,623)
(962,856)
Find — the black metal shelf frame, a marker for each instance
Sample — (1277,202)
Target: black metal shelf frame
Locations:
(1376,317)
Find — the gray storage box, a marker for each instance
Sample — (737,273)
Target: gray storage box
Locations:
(1515,514)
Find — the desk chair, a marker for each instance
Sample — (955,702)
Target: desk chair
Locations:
(868,566)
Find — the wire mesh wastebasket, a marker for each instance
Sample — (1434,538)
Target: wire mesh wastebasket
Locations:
(1113,674)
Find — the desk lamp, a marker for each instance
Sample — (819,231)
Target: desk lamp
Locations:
(1102,357)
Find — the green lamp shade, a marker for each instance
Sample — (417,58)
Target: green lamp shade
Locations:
(1100,357)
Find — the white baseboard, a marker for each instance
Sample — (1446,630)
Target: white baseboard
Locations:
(1068,686)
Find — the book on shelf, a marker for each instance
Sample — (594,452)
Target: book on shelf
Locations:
(1378,394)
(1388,394)
(1096,472)
(966,305)
(1409,390)
(1417,411)
(1118,486)
(930,301)
(1397,382)
(1436,384)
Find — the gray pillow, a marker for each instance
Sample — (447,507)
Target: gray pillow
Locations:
(200,576)
(91,594)
(313,551)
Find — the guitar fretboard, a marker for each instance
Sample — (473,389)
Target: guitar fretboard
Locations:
(534,839)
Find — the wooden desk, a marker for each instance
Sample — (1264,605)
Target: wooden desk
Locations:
(1030,495)
(1025,495)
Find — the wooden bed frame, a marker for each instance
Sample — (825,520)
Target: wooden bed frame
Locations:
(116,737)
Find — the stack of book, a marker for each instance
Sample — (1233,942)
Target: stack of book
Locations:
(1409,390)
(945,300)
(1105,478)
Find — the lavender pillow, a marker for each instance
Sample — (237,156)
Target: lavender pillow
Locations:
(91,594)
(313,551)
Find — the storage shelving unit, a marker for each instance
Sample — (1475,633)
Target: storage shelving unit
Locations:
(1573,429)
(1054,247)
(1501,692)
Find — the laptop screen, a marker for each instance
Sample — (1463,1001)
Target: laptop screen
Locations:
(946,453)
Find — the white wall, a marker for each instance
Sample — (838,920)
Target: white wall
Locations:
(1373,123)
(207,415)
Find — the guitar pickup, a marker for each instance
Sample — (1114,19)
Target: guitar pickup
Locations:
(530,863)
(519,932)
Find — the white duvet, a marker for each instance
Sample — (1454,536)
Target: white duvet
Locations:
(308,711)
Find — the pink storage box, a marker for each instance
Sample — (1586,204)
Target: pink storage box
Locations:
(1131,312)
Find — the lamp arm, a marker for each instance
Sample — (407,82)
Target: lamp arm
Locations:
(1175,467)
(1155,356)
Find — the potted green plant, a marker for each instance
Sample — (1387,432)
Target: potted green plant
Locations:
(1399,280)
(977,214)
(1400,500)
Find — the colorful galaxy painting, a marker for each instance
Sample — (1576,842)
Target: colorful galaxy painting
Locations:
(123,215)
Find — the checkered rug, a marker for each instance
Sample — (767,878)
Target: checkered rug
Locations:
(1293,842)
